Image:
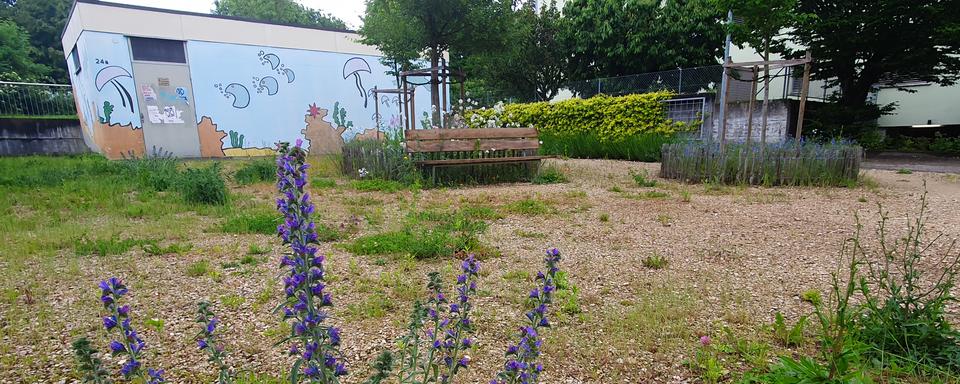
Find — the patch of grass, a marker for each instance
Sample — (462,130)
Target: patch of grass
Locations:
(155,323)
(323,183)
(615,189)
(529,235)
(111,246)
(518,276)
(263,222)
(664,220)
(790,336)
(604,217)
(655,261)
(657,319)
(421,244)
(203,186)
(372,307)
(380,185)
(654,195)
(361,201)
(232,301)
(811,296)
(480,212)
(685,196)
(904,171)
(530,207)
(172,248)
(327,233)
(642,178)
(257,249)
(256,171)
(862,199)
(198,268)
(549,175)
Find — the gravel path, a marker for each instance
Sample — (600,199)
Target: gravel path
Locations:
(736,257)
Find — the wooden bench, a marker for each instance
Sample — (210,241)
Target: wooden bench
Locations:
(521,145)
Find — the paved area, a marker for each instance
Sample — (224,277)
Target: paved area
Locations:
(912,161)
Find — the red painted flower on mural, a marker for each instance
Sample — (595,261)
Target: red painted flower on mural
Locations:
(314,110)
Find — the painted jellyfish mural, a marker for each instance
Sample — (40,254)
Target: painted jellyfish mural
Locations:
(110,75)
(353,67)
(240,94)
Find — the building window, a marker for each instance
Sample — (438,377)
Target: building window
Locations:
(76,60)
(167,51)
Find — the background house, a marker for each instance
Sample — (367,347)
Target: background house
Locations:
(200,85)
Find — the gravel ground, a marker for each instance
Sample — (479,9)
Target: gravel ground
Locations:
(736,257)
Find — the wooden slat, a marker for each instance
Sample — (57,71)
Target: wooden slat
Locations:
(470,145)
(469,133)
(490,160)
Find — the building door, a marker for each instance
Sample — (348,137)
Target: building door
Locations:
(165,92)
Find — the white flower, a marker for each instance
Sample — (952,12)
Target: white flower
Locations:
(541,142)
(363,172)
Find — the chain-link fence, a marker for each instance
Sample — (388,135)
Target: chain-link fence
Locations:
(35,99)
(683,81)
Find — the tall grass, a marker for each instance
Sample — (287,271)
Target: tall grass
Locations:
(830,164)
(639,147)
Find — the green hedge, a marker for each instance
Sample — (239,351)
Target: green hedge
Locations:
(638,147)
(608,118)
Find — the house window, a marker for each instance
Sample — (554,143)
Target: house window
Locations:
(76,60)
(167,51)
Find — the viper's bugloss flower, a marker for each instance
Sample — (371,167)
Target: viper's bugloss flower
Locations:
(156,376)
(117,347)
(128,342)
(522,366)
(202,344)
(304,283)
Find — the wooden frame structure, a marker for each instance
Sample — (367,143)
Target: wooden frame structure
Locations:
(445,77)
(403,95)
(754,66)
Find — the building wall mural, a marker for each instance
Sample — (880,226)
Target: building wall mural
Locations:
(104,92)
(250,97)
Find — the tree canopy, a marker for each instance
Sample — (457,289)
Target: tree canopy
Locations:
(280,11)
(857,44)
(17,55)
(42,21)
(616,37)
(531,64)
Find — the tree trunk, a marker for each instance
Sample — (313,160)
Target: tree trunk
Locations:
(434,87)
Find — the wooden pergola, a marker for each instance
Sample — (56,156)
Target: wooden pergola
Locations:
(754,67)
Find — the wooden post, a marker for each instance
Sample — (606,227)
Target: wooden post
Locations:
(803,96)
(376,110)
(753,98)
(444,79)
(406,124)
(726,100)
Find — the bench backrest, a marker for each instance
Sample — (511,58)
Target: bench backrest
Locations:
(470,139)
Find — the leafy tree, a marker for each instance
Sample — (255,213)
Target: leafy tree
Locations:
(403,29)
(762,24)
(622,37)
(280,11)
(16,62)
(43,22)
(531,63)
(857,44)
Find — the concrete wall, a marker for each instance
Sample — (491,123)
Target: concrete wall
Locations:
(20,137)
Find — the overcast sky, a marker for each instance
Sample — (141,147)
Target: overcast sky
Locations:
(347,10)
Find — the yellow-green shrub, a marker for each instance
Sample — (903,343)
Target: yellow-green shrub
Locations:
(610,118)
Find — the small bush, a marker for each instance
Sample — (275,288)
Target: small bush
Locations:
(326,233)
(655,261)
(158,173)
(256,249)
(904,171)
(198,268)
(787,335)
(252,222)
(549,175)
(256,171)
(642,178)
(203,185)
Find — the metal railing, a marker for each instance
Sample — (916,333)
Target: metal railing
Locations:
(683,81)
(36,100)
